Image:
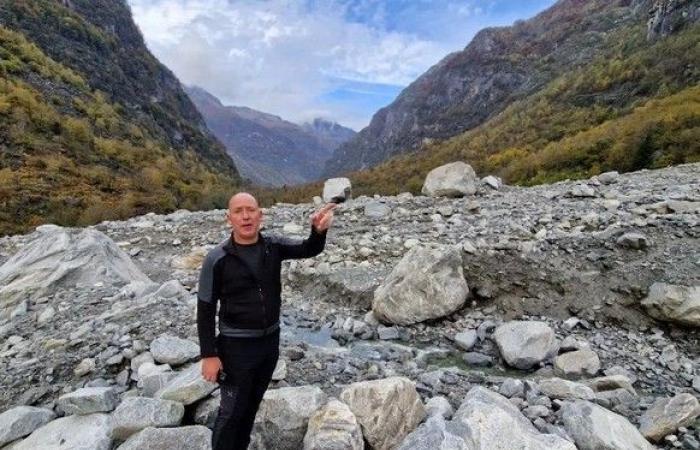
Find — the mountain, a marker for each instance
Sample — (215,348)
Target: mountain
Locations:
(518,99)
(267,149)
(92,126)
(331,134)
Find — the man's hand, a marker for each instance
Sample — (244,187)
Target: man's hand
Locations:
(322,219)
(210,368)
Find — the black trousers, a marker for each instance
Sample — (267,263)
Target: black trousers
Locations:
(248,365)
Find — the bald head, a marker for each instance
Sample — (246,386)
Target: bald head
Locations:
(242,199)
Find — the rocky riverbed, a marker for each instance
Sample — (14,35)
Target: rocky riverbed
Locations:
(563,315)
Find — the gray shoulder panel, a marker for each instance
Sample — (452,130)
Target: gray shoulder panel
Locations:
(205,290)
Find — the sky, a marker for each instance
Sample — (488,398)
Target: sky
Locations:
(341,60)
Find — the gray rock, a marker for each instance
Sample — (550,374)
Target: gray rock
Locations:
(376,404)
(207,410)
(167,349)
(284,415)
(674,303)
(71,432)
(492,182)
(477,359)
(565,389)
(582,190)
(333,427)
(524,344)
(595,428)
(187,387)
(63,257)
(439,405)
(666,415)
(337,187)
(611,382)
(21,421)
(427,283)
(193,437)
(136,413)
(577,364)
(496,424)
(89,400)
(636,241)
(696,383)
(512,388)
(438,434)
(387,333)
(84,367)
(377,210)
(455,179)
(608,177)
(466,339)
(171,289)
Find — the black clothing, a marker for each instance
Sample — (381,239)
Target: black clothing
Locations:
(246,281)
(248,365)
(250,298)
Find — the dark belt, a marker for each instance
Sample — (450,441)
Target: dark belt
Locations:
(229,331)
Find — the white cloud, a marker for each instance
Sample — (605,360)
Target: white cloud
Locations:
(280,56)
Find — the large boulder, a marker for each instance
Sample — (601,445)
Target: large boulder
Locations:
(63,257)
(334,427)
(524,344)
(137,413)
(666,415)
(595,428)
(674,303)
(187,387)
(337,187)
(436,433)
(92,431)
(495,423)
(427,283)
(284,415)
(193,437)
(167,349)
(21,421)
(455,179)
(387,409)
(89,400)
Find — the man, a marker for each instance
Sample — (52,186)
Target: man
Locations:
(243,274)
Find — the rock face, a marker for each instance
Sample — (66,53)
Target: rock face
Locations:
(494,423)
(194,437)
(595,428)
(456,179)
(388,409)
(426,284)
(92,431)
(524,344)
(21,421)
(283,417)
(667,415)
(333,427)
(60,257)
(137,413)
(673,303)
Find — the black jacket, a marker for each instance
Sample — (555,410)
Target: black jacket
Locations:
(248,301)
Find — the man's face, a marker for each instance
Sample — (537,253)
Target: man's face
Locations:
(244,215)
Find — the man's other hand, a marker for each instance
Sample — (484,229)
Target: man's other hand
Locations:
(322,219)
(210,368)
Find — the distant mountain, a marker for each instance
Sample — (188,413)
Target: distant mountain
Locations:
(92,126)
(331,134)
(510,100)
(267,149)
